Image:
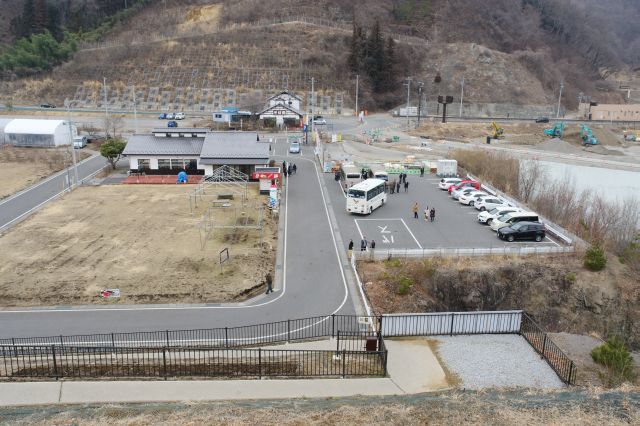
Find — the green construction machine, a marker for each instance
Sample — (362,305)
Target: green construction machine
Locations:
(557,131)
(587,136)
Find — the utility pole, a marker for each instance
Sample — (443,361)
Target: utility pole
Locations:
(135,109)
(461,94)
(560,99)
(357,88)
(408,84)
(313,101)
(104,85)
(420,85)
(73,148)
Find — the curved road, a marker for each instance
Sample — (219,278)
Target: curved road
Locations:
(312,262)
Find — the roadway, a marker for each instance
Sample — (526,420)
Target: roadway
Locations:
(312,262)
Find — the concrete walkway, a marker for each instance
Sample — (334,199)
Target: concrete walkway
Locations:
(412,367)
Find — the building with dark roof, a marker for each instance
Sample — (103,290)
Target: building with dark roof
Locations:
(153,154)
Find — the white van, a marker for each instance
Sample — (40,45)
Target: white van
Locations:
(511,218)
(79,142)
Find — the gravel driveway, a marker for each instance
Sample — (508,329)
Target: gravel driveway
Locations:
(495,361)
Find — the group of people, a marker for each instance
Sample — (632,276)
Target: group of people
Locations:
(429,213)
(394,186)
(364,244)
(289,169)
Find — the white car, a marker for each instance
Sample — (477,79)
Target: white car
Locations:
(319,120)
(445,183)
(456,193)
(470,198)
(180,116)
(488,215)
(170,116)
(488,203)
(511,218)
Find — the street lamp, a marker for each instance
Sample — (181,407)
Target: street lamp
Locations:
(73,149)
(420,86)
(408,84)
(560,99)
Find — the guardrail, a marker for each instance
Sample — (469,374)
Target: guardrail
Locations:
(450,323)
(380,254)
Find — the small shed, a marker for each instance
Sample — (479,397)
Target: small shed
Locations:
(230,115)
(39,133)
(3,124)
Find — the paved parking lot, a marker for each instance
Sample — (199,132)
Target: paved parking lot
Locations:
(393,226)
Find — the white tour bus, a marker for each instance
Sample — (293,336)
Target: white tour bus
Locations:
(366,196)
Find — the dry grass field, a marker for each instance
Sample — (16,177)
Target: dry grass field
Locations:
(140,239)
(22,167)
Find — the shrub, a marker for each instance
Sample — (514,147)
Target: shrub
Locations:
(571,277)
(405,285)
(616,358)
(595,259)
(393,263)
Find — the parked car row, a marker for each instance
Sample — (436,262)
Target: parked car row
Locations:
(172,116)
(508,221)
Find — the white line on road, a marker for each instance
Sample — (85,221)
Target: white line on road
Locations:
(358,226)
(414,237)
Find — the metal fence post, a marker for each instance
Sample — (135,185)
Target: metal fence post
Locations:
(55,364)
(164,362)
(288,331)
(226,337)
(333,324)
(113,341)
(15,349)
(544,344)
(344,363)
(260,363)
(61,341)
(338,342)
(452,319)
(166,333)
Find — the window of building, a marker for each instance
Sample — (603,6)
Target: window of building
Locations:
(191,164)
(164,164)
(144,164)
(218,115)
(177,163)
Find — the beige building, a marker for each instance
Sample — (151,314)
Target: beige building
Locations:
(611,112)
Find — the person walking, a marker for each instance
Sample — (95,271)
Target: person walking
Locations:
(295,168)
(350,247)
(426,214)
(398,187)
(393,186)
(422,171)
(269,281)
(432,214)
(406,186)
(415,209)
(363,244)
(289,170)
(373,244)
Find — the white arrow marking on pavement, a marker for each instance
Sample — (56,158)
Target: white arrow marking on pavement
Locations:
(383,230)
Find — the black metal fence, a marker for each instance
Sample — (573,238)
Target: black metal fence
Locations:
(541,342)
(19,362)
(223,337)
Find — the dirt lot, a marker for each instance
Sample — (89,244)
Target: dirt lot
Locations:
(22,167)
(140,239)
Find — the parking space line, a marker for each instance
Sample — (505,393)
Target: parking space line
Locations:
(547,238)
(341,190)
(359,230)
(414,237)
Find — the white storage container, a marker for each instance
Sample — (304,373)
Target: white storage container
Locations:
(447,168)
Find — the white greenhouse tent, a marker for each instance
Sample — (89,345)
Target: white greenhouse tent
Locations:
(38,133)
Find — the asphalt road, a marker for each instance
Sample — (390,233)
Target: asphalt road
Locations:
(312,264)
(19,206)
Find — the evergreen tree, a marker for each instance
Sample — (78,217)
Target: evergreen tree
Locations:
(39,16)
(390,65)
(356,46)
(375,58)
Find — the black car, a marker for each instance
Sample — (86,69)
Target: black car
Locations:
(47,106)
(523,231)
(542,120)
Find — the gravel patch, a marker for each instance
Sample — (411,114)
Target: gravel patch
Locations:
(495,361)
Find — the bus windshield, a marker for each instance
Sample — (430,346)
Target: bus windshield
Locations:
(355,193)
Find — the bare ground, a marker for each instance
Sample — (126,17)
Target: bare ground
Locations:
(585,407)
(22,167)
(140,239)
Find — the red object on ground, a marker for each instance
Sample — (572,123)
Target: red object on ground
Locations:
(465,184)
(160,179)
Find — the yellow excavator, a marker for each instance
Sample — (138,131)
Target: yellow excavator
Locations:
(498,132)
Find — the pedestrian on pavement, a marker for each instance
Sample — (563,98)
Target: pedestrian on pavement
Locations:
(415,209)
(289,170)
(269,282)
(393,186)
(422,171)
(284,166)
(432,214)
(426,214)
(350,245)
(295,168)
(398,187)
(373,244)
(406,185)
(404,177)
(363,244)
